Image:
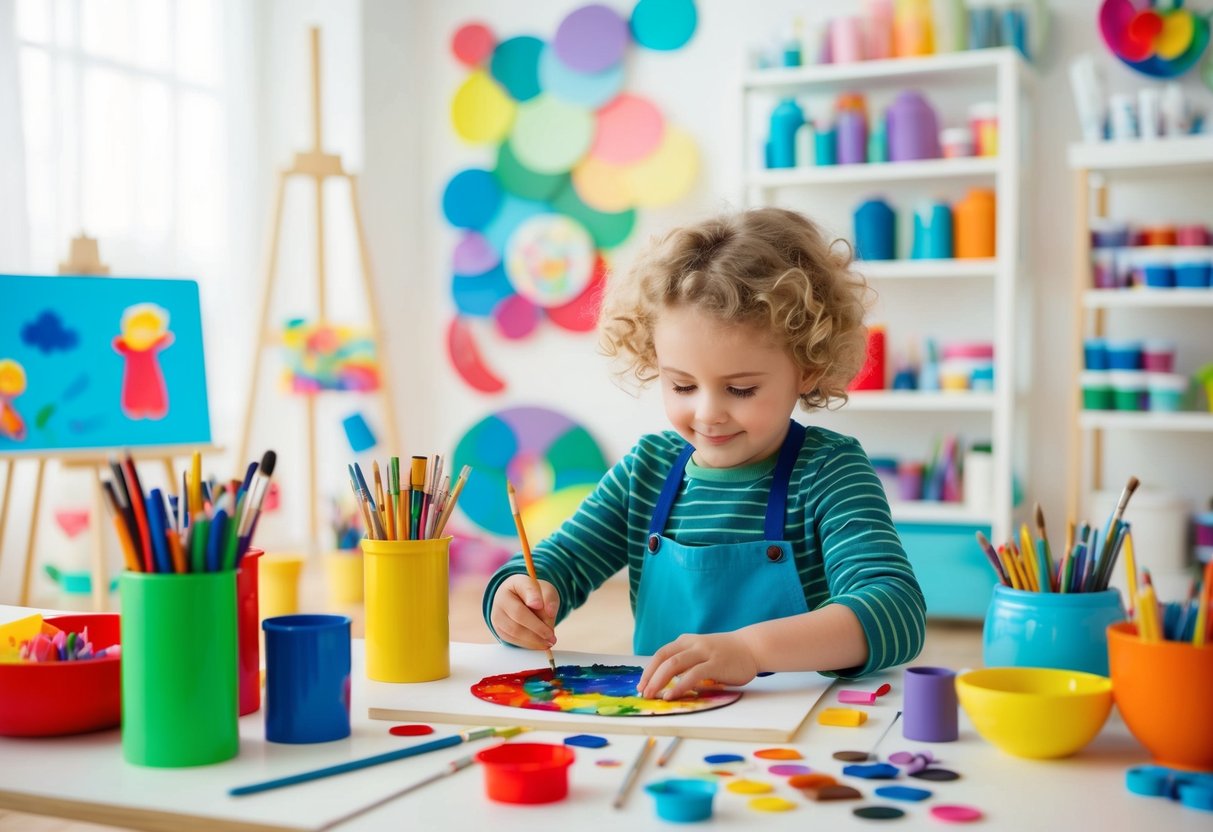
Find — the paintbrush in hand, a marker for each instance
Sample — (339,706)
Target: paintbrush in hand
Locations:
(526,556)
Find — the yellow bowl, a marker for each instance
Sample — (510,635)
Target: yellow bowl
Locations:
(1035,711)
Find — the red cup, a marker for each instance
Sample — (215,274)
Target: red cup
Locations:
(248,632)
(526,772)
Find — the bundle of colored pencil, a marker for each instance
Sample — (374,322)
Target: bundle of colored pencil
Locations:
(207,528)
(1085,565)
(1191,621)
(417,508)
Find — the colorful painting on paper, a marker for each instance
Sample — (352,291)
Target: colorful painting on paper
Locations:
(324,356)
(100,362)
(599,689)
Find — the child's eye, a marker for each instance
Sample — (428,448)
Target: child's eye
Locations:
(743,392)
(690,388)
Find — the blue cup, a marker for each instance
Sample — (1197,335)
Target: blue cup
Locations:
(1158,275)
(932,232)
(1192,275)
(307,678)
(1124,355)
(683,801)
(875,230)
(1050,629)
(1095,354)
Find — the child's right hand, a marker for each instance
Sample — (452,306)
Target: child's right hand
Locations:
(524,617)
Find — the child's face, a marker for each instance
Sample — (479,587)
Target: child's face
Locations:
(728,389)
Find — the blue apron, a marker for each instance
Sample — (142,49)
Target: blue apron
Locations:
(720,587)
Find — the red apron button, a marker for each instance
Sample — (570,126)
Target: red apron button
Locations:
(654,543)
(774,553)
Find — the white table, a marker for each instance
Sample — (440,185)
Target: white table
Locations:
(85,777)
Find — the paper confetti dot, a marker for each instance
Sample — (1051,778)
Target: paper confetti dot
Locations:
(779,754)
(872,771)
(750,787)
(883,689)
(835,792)
(788,769)
(903,793)
(608,763)
(717,759)
(473,43)
(586,741)
(878,812)
(851,756)
(410,730)
(771,804)
(956,814)
(811,781)
(937,775)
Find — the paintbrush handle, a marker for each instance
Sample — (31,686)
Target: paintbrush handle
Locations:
(633,772)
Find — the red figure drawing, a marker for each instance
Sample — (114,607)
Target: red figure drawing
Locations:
(12,385)
(145,333)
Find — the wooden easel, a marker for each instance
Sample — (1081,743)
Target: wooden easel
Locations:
(317,165)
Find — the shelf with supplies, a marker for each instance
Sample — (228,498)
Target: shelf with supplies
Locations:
(1185,422)
(978,174)
(1147,298)
(1177,155)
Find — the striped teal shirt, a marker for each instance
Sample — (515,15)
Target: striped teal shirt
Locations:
(838,522)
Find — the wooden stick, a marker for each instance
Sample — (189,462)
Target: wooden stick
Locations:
(633,772)
(530,563)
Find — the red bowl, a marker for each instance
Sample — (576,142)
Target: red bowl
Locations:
(47,699)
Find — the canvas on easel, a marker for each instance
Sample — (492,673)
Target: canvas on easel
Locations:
(317,166)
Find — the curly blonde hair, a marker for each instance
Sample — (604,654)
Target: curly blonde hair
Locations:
(767,267)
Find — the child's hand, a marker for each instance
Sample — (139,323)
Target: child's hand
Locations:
(720,658)
(521,616)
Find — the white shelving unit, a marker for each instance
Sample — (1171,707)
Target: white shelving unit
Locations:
(1097,168)
(1000,416)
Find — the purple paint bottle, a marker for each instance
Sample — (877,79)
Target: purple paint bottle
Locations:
(852,138)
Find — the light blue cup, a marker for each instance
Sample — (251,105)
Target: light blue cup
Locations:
(1050,629)
(683,801)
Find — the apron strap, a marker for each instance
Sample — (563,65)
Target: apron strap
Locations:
(777,503)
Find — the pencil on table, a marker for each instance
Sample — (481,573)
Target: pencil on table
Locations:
(668,753)
(633,772)
(526,556)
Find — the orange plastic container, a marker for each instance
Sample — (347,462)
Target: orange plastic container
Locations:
(973,226)
(526,772)
(46,699)
(1163,691)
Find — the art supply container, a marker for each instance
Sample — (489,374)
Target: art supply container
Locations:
(846,40)
(973,224)
(878,140)
(978,482)
(1192,235)
(1160,530)
(909,480)
(407,616)
(526,772)
(1103,269)
(1109,233)
(956,142)
(343,570)
(1163,690)
(1202,530)
(875,230)
(179,688)
(278,584)
(1096,390)
(307,678)
(786,118)
(1158,274)
(983,125)
(1192,267)
(851,139)
(824,150)
(1128,389)
(248,633)
(929,712)
(1159,235)
(871,375)
(1166,391)
(1158,355)
(932,231)
(683,801)
(1095,354)
(886,472)
(1123,354)
(1049,629)
(913,128)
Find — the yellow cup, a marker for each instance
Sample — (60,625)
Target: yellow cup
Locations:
(407,612)
(344,570)
(278,584)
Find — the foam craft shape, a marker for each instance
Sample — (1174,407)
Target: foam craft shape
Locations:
(471,199)
(608,229)
(466,359)
(473,255)
(71,521)
(788,769)
(358,433)
(857,697)
(668,173)
(515,65)
(550,259)
(601,185)
(550,135)
(516,317)
(663,24)
(629,129)
(481,112)
(750,787)
(583,89)
(513,213)
(523,182)
(592,38)
(472,44)
(1156,41)
(581,313)
(480,294)
(771,804)
(842,717)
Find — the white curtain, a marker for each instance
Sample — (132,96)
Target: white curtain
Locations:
(14,223)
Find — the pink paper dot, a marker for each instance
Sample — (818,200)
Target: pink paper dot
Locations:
(788,769)
(956,814)
(472,44)
(629,129)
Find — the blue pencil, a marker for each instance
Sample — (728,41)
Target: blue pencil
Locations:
(214,541)
(156,520)
(367,762)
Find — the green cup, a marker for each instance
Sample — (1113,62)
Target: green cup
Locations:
(179,688)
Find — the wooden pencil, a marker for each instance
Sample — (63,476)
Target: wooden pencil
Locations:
(526,556)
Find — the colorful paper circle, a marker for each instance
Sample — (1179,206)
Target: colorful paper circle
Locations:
(550,259)
(516,317)
(546,514)
(601,186)
(750,787)
(473,255)
(515,65)
(663,24)
(472,44)
(591,38)
(771,804)
(480,110)
(471,199)
(788,769)
(581,313)
(542,452)
(629,129)
(521,181)
(514,212)
(954,813)
(608,229)
(666,175)
(466,358)
(1156,41)
(550,135)
(479,295)
(584,89)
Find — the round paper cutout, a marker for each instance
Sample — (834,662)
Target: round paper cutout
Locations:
(481,111)
(666,175)
(550,259)
(629,129)
(590,90)
(608,229)
(515,65)
(472,44)
(521,181)
(592,38)
(516,317)
(479,295)
(473,255)
(471,198)
(601,186)
(663,24)
(581,313)
(550,135)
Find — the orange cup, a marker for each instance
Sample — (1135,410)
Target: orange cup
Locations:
(973,225)
(1163,690)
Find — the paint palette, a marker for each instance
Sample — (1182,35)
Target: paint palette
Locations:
(602,690)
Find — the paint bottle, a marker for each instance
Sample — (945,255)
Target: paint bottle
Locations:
(913,128)
(913,32)
(806,151)
(983,25)
(846,40)
(973,224)
(875,230)
(1014,29)
(790,54)
(852,137)
(786,118)
(824,143)
(878,141)
(932,232)
(878,29)
(983,122)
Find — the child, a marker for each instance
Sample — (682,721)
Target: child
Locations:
(752,543)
